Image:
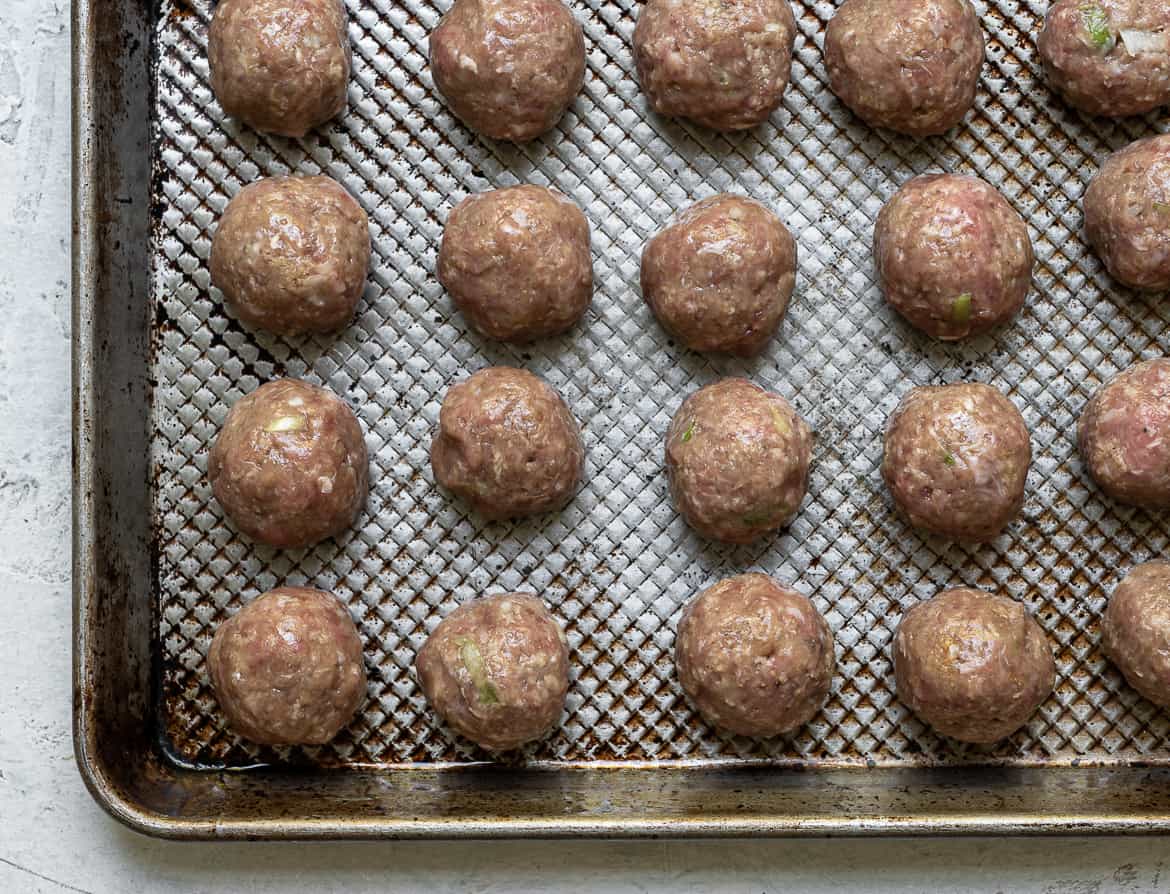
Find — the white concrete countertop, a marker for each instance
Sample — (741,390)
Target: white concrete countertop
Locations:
(53,838)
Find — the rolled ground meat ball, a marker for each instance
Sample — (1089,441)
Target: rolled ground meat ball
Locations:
(1108,57)
(1135,630)
(952,256)
(956,460)
(754,657)
(516,262)
(291,255)
(507,444)
(290,466)
(1124,435)
(719,277)
(723,65)
(497,670)
(909,65)
(972,664)
(287,668)
(1127,214)
(280,66)
(508,68)
(737,459)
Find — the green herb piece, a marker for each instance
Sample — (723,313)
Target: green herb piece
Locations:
(286,423)
(1096,23)
(470,655)
(949,459)
(689,433)
(961,308)
(1162,206)
(757,518)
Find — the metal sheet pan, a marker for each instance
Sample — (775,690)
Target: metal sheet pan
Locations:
(157,362)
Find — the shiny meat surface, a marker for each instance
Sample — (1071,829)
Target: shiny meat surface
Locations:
(497,670)
(720,275)
(1127,214)
(508,68)
(507,444)
(972,664)
(1108,57)
(516,262)
(291,255)
(280,66)
(723,65)
(737,458)
(909,65)
(287,668)
(1124,435)
(1135,630)
(956,460)
(952,256)
(289,466)
(754,657)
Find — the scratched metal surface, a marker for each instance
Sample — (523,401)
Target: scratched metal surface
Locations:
(618,564)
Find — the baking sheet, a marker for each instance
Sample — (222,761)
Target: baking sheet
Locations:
(618,564)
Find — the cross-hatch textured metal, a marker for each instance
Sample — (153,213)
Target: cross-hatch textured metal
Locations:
(619,563)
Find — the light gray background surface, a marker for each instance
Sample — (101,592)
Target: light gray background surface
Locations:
(54,838)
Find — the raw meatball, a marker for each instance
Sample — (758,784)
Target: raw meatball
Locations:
(507,444)
(956,460)
(497,670)
(287,669)
(737,459)
(720,275)
(281,66)
(909,65)
(724,65)
(953,257)
(756,658)
(508,68)
(1135,631)
(1124,435)
(1108,57)
(291,255)
(972,664)
(1127,214)
(289,466)
(516,262)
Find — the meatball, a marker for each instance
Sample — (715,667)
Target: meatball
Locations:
(952,256)
(516,262)
(508,68)
(754,657)
(908,65)
(972,664)
(956,460)
(723,65)
(1124,435)
(497,670)
(719,277)
(1108,57)
(280,66)
(737,459)
(289,466)
(287,669)
(1135,631)
(1127,214)
(291,255)
(507,444)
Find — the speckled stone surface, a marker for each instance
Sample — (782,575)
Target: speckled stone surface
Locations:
(53,838)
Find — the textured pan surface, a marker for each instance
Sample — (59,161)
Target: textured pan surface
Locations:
(619,563)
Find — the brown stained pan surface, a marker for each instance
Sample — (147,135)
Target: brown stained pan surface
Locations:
(618,564)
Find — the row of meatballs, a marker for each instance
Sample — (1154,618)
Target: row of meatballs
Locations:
(290,466)
(755,658)
(291,255)
(509,69)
